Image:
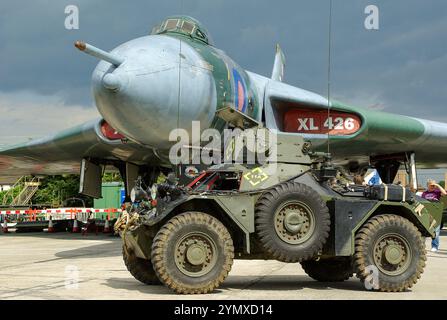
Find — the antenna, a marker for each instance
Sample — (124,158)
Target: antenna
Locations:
(179,94)
(179,72)
(329,77)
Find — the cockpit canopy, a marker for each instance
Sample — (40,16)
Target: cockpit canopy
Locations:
(184,25)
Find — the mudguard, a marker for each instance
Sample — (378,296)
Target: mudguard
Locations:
(349,215)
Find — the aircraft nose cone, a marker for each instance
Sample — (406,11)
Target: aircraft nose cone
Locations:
(152,92)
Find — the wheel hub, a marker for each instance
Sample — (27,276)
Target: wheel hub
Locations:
(294,222)
(196,254)
(392,254)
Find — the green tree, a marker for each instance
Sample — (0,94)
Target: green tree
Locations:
(111,177)
(10,195)
(55,189)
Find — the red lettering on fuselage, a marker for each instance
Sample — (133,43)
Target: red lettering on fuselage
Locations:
(321,122)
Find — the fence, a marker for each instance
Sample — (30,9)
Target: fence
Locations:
(80,214)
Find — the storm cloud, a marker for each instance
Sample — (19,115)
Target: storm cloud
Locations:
(400,68)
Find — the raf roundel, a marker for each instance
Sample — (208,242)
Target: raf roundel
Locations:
(240,92)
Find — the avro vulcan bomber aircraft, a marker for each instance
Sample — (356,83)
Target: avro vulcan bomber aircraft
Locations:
(151,85)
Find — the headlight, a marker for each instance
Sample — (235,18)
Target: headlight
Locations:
(154,191)
(132,194)
(138,194)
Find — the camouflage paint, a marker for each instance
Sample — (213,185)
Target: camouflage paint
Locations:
(226,74)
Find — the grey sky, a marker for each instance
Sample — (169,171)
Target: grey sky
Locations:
(45,81)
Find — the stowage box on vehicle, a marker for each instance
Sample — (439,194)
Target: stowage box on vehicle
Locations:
(389,192)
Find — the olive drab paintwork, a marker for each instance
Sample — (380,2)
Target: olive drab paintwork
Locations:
(239,209)
(239,206)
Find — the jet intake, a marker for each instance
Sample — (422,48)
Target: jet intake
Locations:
(109,132)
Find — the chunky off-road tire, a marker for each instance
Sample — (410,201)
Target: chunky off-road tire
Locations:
(192,253)
(292,222)
(329,270)
(393,247)
(141,269)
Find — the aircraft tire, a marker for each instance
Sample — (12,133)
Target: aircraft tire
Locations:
(192,253)
(292,222)
(140,269)
(329,270)
(394,247)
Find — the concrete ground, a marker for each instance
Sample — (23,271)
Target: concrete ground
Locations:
(44,266)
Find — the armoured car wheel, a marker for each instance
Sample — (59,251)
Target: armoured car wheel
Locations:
(141,269)
(192,253)
(329,270)
(396,250)
(292,222)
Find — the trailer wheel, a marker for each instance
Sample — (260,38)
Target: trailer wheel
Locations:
(292,222)
(141,269)
(329,270)
(393,247)
(192,253)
